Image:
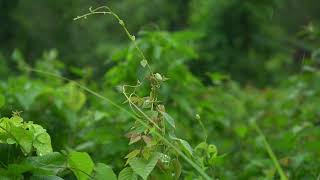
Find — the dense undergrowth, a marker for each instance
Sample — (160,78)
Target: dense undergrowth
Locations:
(225,128)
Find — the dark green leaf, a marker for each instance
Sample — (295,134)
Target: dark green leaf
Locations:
(144,167)
(81,164)
(127,174)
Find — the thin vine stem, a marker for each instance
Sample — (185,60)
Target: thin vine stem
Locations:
(188,160)
(268,148)
(107,10)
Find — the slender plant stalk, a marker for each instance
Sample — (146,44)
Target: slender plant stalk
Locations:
(101,10)
(193,164)
(270,152)
(107,10)
(205,132)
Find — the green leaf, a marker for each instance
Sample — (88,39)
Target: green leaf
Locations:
(169,119)
(11,141)
(185,145)
(127,174)
(131,155)
(54,162)
(49,164)
(74,97)
(81,164)
(16,120)
(147,140)
(23,137)
(134,138)
(42,143)
(104,172)
(27,135)
(144,167)
(42,140)
(18,169)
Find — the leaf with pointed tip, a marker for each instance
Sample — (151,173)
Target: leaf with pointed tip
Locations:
(23,137)
(132,154)
(54,162)
(127,174)
(147,140)
(134,138)
(169,119)
(144,167)
(81,164)
(185,145)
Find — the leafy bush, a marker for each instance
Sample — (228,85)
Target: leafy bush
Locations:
(227,131)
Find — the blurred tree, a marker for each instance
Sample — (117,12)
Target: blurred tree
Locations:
(49,24)
(8,26)
(232,33)
(244,39)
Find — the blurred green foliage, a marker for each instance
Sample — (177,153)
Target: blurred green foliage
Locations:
(236,38)
(229,63)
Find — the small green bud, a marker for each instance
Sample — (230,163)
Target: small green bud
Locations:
(121,22)
(158,76)
(161,108)
(144,62)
